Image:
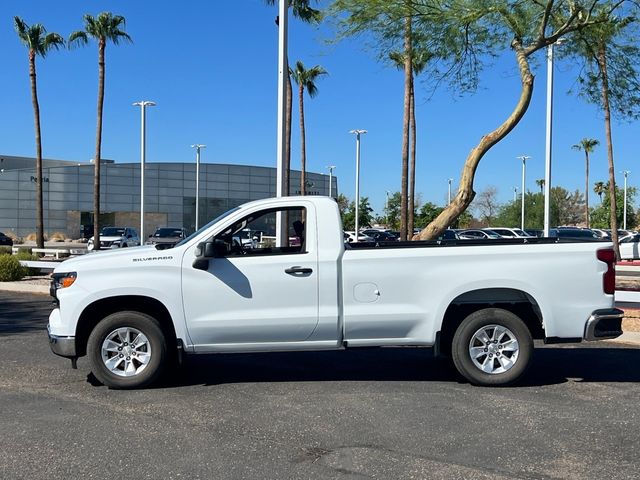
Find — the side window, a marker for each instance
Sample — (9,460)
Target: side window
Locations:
(256,234)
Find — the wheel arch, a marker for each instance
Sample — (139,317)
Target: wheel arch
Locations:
(96,311)
(514,300)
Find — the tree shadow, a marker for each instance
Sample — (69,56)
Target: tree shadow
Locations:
(550,365)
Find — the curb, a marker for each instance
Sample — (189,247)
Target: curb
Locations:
(26,288)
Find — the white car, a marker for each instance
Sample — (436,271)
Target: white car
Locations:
(477,234)
(509,232)
(115,237)
(350,237)
(630,247)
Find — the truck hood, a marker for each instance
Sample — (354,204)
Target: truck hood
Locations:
(107,258)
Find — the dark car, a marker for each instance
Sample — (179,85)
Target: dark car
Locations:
(380,236)
(4,240)
(167,236)
(584,234)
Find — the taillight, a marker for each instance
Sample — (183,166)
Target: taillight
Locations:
(609,279)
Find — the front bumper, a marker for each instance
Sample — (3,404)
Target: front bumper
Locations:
(604,324)
(63,346)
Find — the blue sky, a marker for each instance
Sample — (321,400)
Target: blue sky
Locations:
(211,67)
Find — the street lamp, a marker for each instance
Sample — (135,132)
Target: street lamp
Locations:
(549,132)
(624,215)
(357,133)
(283,70)
(449,191)
(524,159)
(331,169)
(198,146)
(143,104)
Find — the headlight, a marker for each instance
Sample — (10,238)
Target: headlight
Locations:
(61,280)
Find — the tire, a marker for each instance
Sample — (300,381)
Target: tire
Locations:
(492,347)
(125,245)
(115,360)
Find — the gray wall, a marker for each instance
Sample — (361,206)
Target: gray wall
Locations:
(169,193)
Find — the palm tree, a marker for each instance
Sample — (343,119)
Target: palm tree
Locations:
(540,183)
(104,28)
(38,42)
(302,10)
(306,81)
(599,189)
(586,145)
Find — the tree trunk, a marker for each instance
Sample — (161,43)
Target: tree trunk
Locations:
(412,166)
(586,190)
(287,136)
(303,154)
(405,129)
(602,61)
(96,160)
(465,193)
(36,119)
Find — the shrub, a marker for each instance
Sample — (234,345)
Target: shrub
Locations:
(25,255)
(5,250)
(32,237)
(57,237)
(10,269)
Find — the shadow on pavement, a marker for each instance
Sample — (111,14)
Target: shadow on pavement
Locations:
(20,313)
(551,365)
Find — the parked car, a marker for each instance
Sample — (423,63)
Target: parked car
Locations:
(167,236)
(449,234)
(585,234)
(116,237)
(5,241)
(477,234)
(509,232)
(134,312)
(535,232)
(379,235)
(630,247)
(351,237)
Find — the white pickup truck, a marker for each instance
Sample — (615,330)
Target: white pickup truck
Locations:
(133,311)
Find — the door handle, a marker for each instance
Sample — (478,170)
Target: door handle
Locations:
(298,270)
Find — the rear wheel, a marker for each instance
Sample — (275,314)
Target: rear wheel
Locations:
(127,350)
(492,347)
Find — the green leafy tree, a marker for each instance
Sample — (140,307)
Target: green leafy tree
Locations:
(39,43)
(586,145)
(392,210)
(490,28)
(365,214)
(303,11)
(306,80)
(609,77)
(600,216)
(565,208)
(104,28)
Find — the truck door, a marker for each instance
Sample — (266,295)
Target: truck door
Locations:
(255,291)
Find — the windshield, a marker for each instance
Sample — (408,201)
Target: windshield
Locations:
(211,223)
(112,232)
(168,232)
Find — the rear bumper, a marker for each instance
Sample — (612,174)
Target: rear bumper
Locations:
(63,346)
(604,324)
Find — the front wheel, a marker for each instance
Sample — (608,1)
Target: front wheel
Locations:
(127,350)
(492,347)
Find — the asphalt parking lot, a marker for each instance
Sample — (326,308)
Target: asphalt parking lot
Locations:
(373,413)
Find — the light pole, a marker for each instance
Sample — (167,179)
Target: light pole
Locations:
(143,104)
(624,215)
(386,206)
(357,134)
(524,159)
(331,169)
(283,70)
(198,146)
(549,133)
(449,191)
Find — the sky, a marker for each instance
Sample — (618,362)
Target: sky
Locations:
(211,67)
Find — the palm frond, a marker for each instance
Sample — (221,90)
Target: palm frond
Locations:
(78,38)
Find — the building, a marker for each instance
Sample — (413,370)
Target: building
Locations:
(169,198)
